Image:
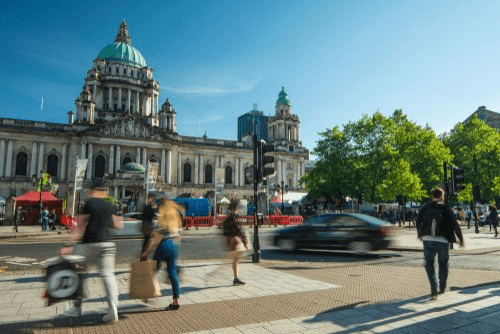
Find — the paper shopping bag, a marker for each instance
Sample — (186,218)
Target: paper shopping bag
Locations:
(142,279)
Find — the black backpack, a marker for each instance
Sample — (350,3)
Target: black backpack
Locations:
(433,220)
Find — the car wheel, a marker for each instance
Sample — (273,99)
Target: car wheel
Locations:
(287,244)
(360,247)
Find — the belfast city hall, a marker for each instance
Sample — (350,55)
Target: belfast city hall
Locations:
(119,118)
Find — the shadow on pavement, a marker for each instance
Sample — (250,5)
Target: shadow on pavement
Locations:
(421,315)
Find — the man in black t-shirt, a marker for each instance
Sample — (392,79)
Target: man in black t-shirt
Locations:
(96,247)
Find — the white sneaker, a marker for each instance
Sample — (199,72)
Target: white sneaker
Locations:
(112,315)
(73,311)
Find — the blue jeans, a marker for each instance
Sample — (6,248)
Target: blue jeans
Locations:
(168,251)
(431,248)
(45,225)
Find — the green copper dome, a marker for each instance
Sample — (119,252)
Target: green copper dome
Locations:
(122,50)
(283,98)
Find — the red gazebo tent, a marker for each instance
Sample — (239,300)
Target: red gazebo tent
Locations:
(32,200)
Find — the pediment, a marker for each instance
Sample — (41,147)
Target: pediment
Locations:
(127,127)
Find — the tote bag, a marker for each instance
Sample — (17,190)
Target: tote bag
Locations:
(142,280)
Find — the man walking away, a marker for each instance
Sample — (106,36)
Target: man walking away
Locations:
(493,218)
(437,227)
(96,247)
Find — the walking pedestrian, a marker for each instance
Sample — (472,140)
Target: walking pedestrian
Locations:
(235,240)
(493,218)
(469,217)
(95,247)
(166,240)
(17,219)
(148,216)
(45,219)
(437,227)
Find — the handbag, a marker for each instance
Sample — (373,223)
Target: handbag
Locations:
(142,280)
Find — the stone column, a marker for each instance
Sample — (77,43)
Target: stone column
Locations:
(128,101)
(33,170)
(2,157)
(144,157)
(145,105)
(202,170)
(162,171)
(119,99)
(236,172)
(83,151)
(8,163)
(123,192)
(152,99)
(196,169)
(90,163)
(117,158)
(138,155)
(101,98)
(63,162)
(179,170)
(110,98)
(137,102)
(157,103)
(115,192)
(41,152)
(111,167)
(169,166)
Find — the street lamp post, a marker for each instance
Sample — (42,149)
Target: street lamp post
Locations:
(42,181)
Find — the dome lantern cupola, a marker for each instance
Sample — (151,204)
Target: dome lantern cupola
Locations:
(283,98)
(122,51)
(123,35)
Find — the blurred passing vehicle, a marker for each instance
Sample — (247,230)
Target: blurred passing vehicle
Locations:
(132,223)
(353,231)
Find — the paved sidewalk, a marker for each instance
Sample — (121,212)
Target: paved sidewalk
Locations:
(279,297)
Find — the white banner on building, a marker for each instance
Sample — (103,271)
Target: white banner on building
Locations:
(151,176)
(81,167)
(219,180)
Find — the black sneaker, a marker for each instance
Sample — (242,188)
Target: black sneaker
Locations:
(238,282)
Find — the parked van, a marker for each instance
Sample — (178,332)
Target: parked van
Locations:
(197,207)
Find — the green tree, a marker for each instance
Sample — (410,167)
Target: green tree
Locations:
(476,148)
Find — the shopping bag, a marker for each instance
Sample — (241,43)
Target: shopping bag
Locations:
(142,279)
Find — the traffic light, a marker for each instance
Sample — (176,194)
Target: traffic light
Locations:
(457,179)
(263,159)
(360,198)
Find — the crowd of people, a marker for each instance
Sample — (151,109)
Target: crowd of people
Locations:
(162,221)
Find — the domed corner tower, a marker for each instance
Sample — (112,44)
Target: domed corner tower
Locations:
(167,117)
(85,107)
(121,82)
(283,127)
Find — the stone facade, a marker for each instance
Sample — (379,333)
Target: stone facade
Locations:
(118,120)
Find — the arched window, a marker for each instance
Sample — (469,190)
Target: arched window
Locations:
(126,160)
(247,170)
(187,173)
(100,165)
(208,174)
(228,175)
(22,164)
(52,162)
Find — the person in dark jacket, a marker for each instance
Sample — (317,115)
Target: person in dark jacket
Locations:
(437,227)
(235,239)
(493,218)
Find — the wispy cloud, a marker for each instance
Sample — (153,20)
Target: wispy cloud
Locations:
(202,120)
(51,60)
(212,85)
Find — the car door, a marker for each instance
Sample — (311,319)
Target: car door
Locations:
(331,232)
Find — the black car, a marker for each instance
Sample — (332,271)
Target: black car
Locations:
(353,231)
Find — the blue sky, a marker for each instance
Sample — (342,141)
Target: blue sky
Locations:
(338,60)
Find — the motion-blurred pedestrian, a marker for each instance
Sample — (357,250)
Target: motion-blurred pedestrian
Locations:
(166,240)
(95,247)
(235,240)
(493,218)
